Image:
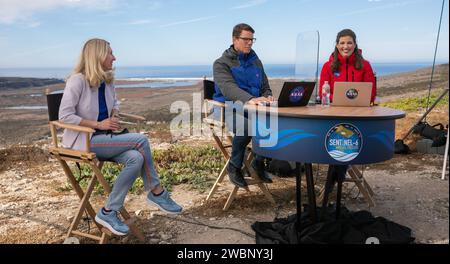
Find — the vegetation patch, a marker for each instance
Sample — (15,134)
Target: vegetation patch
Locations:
(416,103)
(195,166)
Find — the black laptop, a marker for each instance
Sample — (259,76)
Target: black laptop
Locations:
(295,94)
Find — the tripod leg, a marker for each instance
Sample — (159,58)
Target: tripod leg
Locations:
(425,114)
(445,158)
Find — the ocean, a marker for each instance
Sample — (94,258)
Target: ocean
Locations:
(176,76)
(198,71)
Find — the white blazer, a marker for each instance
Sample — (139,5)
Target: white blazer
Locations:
(79,102)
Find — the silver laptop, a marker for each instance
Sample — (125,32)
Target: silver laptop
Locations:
(352,94)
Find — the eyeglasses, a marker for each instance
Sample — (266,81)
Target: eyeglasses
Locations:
(248,39)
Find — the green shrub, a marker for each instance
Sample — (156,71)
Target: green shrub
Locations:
(196,166)
(416,103)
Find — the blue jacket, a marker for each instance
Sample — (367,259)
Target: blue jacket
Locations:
(239,77)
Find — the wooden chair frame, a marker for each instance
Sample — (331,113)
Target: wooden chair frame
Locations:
(63,155)
(358,178)
(223,143)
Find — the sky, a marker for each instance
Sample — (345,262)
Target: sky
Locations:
(51,33)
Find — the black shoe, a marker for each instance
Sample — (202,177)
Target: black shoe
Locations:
(235,175)
(259,167)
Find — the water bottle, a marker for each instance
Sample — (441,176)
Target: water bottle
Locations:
(377,100)
(326,94)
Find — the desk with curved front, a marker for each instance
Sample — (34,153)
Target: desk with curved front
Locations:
(325,135)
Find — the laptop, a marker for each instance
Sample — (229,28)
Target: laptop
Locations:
(295,94)
(352,94)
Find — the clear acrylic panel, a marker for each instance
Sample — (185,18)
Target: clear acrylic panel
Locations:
(307,58)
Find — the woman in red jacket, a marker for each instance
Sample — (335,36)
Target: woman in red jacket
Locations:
(347,64)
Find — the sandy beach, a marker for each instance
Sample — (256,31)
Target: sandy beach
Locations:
(408,188)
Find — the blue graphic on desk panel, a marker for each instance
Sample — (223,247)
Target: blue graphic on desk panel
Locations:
(343,142)
(385,137)
(280,139)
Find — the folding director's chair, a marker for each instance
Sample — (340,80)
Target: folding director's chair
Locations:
(358,179)
(63,155)
(223,139)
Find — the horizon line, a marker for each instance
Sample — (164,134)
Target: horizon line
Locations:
(182,65)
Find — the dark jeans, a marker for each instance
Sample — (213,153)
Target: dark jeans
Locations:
(241,137)
(238,147)
(338,171)
(335,173)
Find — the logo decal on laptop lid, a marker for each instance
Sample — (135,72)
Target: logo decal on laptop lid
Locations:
(351,93)
(296,94)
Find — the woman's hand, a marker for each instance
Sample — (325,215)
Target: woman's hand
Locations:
(109,124)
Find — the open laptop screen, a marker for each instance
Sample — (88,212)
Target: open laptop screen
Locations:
(352,94)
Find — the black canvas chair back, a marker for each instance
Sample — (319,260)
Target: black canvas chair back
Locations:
(53,103)
(208,89)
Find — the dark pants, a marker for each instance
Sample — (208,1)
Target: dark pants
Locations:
(241,138)
(336,173)
(238,147)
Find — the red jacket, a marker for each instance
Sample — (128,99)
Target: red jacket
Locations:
(347,73)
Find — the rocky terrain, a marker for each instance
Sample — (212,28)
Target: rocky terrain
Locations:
(34,209)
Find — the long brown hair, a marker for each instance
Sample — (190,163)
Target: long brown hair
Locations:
(335,64)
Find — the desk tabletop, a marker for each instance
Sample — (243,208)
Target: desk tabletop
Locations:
(338,112)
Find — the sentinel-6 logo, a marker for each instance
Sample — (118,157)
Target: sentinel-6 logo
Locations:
(351,93)
(296,94)
(343,142)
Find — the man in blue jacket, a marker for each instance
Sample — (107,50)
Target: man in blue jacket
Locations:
(239,77)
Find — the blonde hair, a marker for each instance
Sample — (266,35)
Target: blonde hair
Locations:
(90,63)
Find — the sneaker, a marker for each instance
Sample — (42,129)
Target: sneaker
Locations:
(259,167)
(236,176)
(164,202)
(112,222)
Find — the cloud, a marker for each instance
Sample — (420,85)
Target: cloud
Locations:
(34,24)
(188,21)
(140,22)
(12,11)
(154,5)
(387,6)
(251,3)
(365,10)
(374,0)
(35,51)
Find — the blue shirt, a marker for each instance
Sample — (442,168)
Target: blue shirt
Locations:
(102,107)
(247,74)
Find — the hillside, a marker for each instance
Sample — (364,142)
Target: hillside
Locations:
(18,82)
(408,189)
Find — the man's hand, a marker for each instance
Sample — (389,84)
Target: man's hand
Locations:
(261,100)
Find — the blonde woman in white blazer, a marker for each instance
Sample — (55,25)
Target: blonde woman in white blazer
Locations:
(90,100)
